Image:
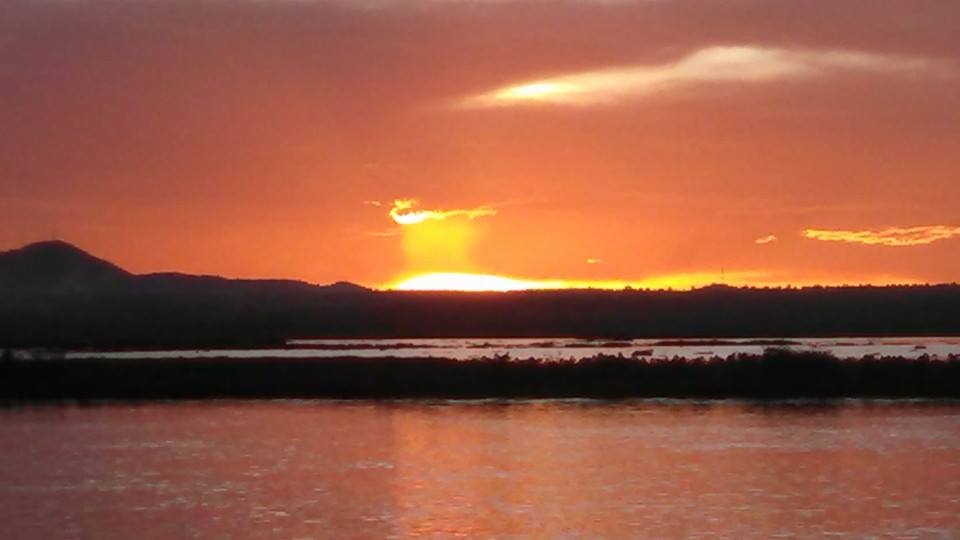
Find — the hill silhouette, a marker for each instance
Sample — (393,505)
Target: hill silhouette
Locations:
(56,295)
(57,266)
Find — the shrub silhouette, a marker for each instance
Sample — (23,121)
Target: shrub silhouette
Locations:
(776,374)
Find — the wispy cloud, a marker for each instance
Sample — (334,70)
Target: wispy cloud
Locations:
(720,64)
(384,234)
(769,239)
(404,212)
(892,236)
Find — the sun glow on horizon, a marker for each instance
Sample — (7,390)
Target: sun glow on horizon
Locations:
(456,281)
(438,246)
(469,282)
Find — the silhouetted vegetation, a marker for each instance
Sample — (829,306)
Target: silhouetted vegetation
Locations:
(54,295)
(777,374)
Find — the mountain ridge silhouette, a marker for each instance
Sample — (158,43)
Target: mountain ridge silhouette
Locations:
(59,266)
(56,264)
(53,294)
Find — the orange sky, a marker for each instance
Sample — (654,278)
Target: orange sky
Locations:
(635,142)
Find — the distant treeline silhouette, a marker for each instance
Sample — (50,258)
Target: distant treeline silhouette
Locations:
(258,315)
(776,374)
(55,295)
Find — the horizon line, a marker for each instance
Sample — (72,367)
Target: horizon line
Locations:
(449,282)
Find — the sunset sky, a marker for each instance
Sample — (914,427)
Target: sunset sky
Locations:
(551,143)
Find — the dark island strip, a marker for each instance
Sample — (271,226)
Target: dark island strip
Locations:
(777,374)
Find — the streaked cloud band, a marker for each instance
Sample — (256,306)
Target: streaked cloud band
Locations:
(719,64)
(892,236)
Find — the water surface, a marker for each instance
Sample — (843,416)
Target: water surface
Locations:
(554,469)
(560,348)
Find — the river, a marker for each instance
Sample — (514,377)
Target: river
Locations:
(557,348)
(483,469)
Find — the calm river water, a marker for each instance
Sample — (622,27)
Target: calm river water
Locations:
(542,469)
(559,348)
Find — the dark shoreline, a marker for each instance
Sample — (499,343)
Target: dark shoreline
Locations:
(776,375)
(55,295)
